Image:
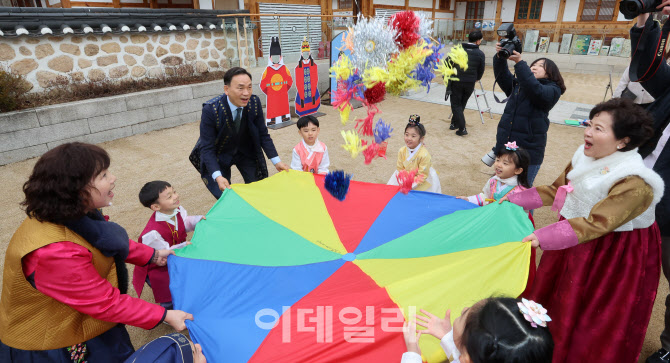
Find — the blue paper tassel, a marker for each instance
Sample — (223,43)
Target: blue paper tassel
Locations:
(382,131)
(337,184)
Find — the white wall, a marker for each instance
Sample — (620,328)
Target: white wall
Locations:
(390,2)
(335,5)
(206,4)
(549,10)
(571,9)
(422,4)
(490,10)
(507,11)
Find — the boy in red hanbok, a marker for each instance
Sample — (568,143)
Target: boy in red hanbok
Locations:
(166,228)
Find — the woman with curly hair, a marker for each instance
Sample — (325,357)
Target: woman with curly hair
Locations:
(64,293)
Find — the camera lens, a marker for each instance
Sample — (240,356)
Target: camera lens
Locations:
(631,7)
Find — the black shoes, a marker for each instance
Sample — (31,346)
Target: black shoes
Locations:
(452,126)
(661,356)
(462,133)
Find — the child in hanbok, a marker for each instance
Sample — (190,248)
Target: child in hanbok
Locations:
(415,156)
(166,229)
(511,168)
(310,154)
(497,329)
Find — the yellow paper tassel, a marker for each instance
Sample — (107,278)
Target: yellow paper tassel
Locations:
(343,68)
(400,68)
(458,56)
(344,109)
(352,143)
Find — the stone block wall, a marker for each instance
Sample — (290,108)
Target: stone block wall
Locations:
(48,60)
(30,133)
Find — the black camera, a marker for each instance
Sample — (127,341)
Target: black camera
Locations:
(509,42)
(632,8)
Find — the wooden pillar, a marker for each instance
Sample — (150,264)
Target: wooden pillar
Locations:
(153,4)
(406,4)
(433,16)
(116,3)
(196,4)
(559,21)
(368,8)
(254,9)
(326,9)
(65,4)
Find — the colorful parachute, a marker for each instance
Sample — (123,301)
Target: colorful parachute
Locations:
(283,272)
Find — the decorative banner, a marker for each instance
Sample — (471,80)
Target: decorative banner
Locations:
(615,46)
(566,43)
(335,52)
(594,47)
(543,46)
(281,271)
(307,98)
(275,83)
(580,45)
(530,40)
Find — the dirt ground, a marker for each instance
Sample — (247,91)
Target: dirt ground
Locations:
(164,155)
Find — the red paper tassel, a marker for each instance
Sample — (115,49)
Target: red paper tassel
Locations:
(370,152)
(381,149)
(407,25)
(376,93)
(366,128)
(407,178)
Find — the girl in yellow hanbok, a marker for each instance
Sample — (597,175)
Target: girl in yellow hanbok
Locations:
(415,156)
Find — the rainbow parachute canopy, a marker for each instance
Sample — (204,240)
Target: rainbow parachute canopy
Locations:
(281,271)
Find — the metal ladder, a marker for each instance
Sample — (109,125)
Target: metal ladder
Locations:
(480,93)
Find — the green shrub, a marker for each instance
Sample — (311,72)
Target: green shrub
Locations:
(13,89)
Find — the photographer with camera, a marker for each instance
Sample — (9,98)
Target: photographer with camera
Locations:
(530,96)
(648,67)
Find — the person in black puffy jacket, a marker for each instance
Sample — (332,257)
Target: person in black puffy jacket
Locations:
(462,89)
(649,66)
(531,95)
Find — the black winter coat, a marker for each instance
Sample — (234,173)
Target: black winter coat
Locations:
(658,86)
(526,116)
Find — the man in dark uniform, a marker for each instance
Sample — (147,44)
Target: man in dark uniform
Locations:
(462,89)
(233,132)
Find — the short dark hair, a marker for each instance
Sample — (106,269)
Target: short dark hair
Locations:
(57,190)
(628,120)
(552,72)
(474,36)
(306,120)
(151,190)
(521,159)
(235,71)
(498,332)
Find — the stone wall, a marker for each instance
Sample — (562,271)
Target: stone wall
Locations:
(30,133)
(49,60)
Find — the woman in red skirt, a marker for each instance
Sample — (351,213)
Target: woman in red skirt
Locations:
(601,262)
